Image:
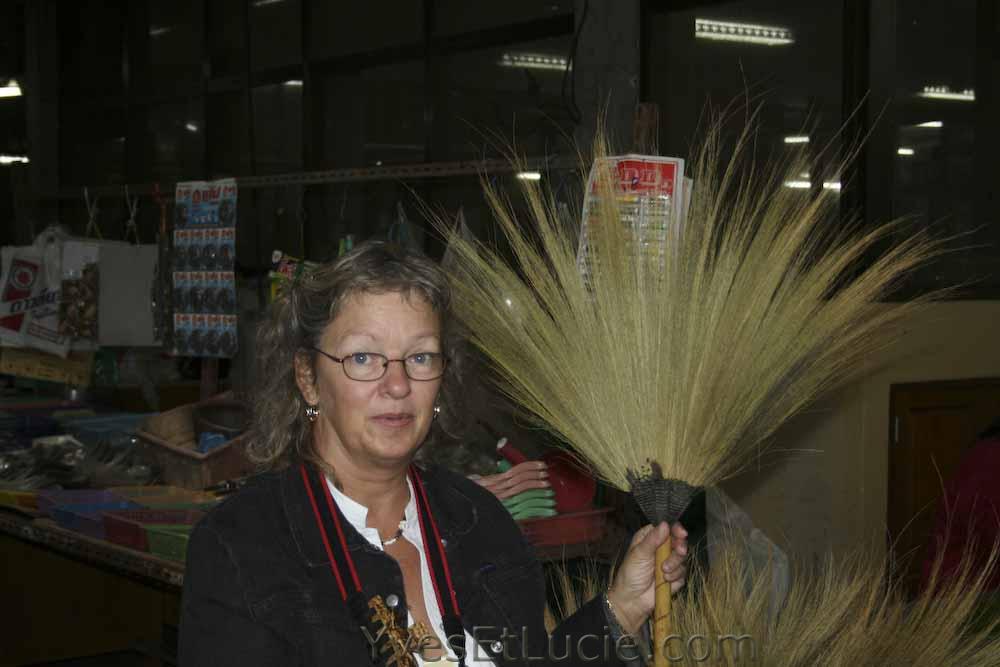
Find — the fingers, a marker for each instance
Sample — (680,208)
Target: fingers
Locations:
(522,477)
(535,469)
(640,535)
(509,491)
(679,579)
(673,563)
(649,538)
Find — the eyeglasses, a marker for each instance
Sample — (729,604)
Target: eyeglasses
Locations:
(371,366)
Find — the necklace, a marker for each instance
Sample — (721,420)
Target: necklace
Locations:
(392,540)
(393,640)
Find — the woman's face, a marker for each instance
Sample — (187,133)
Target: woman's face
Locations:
(379,423)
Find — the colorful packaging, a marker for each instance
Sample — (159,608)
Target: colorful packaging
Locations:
(30,289)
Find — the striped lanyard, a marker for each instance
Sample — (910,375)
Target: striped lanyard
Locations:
(388,640)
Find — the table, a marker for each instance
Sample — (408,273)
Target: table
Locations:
(67,595)
(82,596)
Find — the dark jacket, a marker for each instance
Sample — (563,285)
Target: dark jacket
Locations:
(259,590)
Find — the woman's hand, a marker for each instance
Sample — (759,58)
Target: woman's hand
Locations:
(522,477)
(632,593)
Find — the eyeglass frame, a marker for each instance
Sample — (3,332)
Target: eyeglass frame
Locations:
(385,366)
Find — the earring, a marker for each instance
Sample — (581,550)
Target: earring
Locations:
(312,412)
(437,411)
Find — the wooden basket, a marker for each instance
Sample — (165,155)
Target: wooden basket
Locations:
(170,440)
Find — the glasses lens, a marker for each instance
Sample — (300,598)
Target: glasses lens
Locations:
(364,366)
(425,366)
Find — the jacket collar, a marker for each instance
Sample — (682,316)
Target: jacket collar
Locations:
(453,511)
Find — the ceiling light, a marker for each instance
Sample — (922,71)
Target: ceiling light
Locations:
(529,176)
(156,31)
(798,185)
(11,159)
(296,83)
(749,33)
(930,123)
(946,93)
(902,150)
(12,89)
(797,139)
(191,127)
(534,61)
(831,185)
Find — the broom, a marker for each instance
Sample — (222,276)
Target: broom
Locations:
(667,376)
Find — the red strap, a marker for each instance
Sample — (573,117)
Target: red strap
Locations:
(437,539)
(322,532)
(340,534)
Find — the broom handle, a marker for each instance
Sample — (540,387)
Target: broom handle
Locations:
(661,613)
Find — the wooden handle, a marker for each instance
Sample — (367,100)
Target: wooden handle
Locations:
(661,613)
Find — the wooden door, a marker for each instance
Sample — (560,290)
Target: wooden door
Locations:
(930,426)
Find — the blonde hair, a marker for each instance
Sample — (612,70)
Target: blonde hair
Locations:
(294,323)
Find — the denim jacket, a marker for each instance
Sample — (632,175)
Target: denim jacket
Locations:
(259,590)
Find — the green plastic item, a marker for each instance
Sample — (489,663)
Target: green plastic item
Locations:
(533,494)
(531,502)
(533,514)
(531,507)
(169,541)
(503,465)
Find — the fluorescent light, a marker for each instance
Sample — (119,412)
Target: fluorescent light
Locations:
(946,93)
(930,123)
(797,139)
(903,150)
(296,83)
(529,176)
(11,159)
(12,89)
(191,127)
(156,31)
(748,33)
(534,61)
(831,185)
(510,304)
(798,185)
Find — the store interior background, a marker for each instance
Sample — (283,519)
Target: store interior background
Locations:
(159,91)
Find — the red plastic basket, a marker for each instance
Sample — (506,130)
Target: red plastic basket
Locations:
(130,528)
(88,519)
(570,528)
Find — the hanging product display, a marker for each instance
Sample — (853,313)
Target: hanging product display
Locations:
(286,270)
(79,295)
(29,296)
(650,193)
(204,283)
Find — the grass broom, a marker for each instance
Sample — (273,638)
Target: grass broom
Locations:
(842,612)
(666,378)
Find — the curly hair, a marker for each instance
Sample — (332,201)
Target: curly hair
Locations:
(294,324)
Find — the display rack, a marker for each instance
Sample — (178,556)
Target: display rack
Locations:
(407,172)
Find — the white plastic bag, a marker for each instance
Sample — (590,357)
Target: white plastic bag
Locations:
(29,298)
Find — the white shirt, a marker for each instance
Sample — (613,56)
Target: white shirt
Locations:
(357,515)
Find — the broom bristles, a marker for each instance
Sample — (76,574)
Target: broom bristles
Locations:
(694,364)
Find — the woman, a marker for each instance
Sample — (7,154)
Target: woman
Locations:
(331,557)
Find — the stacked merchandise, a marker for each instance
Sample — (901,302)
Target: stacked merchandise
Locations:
(204,281)
(651,195)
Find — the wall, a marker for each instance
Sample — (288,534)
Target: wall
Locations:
(834,498)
